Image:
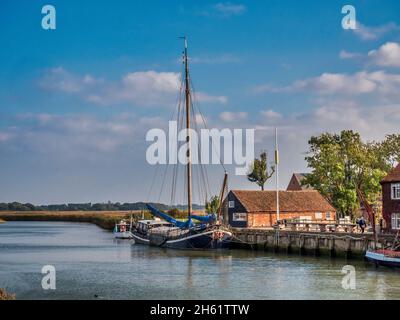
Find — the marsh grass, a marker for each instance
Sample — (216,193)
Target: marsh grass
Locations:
(6,296)
(104,219)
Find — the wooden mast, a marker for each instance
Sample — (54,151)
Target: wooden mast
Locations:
(221,198)
(189,161)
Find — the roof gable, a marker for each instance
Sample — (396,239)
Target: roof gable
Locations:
(295,182)
(393,176)
(289,201)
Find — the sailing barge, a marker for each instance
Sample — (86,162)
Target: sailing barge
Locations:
(209,232)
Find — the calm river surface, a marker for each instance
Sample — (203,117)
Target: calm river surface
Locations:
(90,264)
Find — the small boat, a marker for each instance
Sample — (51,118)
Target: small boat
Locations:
(384,257)
(122,230)
(389,257)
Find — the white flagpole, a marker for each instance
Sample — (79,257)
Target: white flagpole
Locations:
(277,175)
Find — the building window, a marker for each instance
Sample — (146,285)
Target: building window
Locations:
(396,221)
(318,215)
(238,216)
(328,216)
(231,204)
(396,191)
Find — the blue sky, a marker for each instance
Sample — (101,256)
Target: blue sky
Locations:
(76,102)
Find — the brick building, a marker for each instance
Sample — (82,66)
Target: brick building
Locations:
(391,199)
(295,183)
(246,209)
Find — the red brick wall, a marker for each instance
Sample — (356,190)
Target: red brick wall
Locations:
(389,206)
(266,219)
(293,185)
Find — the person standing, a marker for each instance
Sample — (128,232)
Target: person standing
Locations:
(362,224)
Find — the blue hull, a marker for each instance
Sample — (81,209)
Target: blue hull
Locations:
(194,240)
(199,242)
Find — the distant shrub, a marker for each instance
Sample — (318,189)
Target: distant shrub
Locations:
(6,296)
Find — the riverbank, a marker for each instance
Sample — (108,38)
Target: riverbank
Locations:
(103,219)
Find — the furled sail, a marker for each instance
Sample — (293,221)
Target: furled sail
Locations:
(180,224)
(210,218)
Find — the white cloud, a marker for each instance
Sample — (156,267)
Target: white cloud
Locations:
(223,10)
(379,82)
(203,97)
(143,88)
(229,9)
(373,33)
(220,59)
(388,55)
(343,54)
(4,136)
(61,79)
(271,114)
(232,116)
(72,135)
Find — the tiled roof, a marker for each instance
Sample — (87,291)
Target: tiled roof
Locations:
(289,201)
(393,176)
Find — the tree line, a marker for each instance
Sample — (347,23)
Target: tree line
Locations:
(108,206)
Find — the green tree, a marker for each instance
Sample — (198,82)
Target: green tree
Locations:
(212,206)
(342,164)
(391,149)
(259,172)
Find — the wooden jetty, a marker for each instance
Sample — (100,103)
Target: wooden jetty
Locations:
(332,243)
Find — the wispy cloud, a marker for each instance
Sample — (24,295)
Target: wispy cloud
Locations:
(369,33)
(141,88)
(224,10)
(220,59)
(343,54)
(75,135)
(363,82)
(270,114)
(229,9)
(232,116)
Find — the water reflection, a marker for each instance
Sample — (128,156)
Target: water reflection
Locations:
(91,264)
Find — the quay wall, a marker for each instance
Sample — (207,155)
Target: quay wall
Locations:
(334,244)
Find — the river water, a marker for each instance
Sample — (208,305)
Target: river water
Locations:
(90,264)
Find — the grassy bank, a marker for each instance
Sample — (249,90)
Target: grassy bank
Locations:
(2,221)
(6,296)
(104,219)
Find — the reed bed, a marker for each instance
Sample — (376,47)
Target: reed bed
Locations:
(103,219)
(6,296)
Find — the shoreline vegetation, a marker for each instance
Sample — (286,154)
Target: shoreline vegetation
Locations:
(103,219)
(105,206)
(6,296)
